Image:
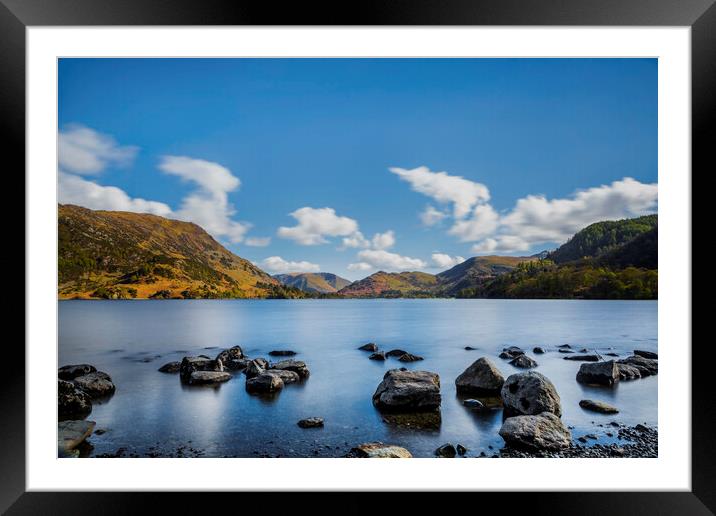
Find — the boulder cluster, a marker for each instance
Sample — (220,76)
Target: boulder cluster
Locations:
(400,354)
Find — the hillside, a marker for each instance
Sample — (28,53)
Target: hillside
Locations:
(602,237)
(476,271)
(114,254)
(318,282)
(392,284)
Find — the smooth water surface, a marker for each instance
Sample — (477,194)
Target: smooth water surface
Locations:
(153,413)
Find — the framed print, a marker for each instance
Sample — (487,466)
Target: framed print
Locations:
(262,246)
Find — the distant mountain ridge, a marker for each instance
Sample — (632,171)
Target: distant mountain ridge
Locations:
(392,284)
(319,282)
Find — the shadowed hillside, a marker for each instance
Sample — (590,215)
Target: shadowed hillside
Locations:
(318,282)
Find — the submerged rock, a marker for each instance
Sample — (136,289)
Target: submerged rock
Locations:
(474,404)
(598,373)
(297,366)
(97,384)
(170,367)
(530,393)
(208,377)
(566,350)
(646,354)
(523,362)
(544,431)
(285,375)
(71,433)
(646,366)
(598,406)
(481,377)
(538,350)
(461,450)
(378,450)
(282,353)
(311,422)
(447,451)
(379,355)
(409,357)
(564,346)
(70,372)
(395,353)
(469,348)
(71,401)
(628,372)
(583,358)
(369,347)
(236,364)
(408,391)
(190,364)
(264,383)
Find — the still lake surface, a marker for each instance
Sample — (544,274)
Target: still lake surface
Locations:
(153,413)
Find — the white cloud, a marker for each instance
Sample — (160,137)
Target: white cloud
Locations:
(276,264)
(462,193)
(315,224)
(208,206)
(431,216)
(383,240)
(82,150)
(355,240)
(483,222)
(258,241)
(444,261)
(381,259)
(379,241)
(360,266)
(500,244)
(77,190)
(535,219)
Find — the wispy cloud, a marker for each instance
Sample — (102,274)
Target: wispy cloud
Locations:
(276,264)
(381,259)
(82,150)
(445,261)
(258,241)
(315,224)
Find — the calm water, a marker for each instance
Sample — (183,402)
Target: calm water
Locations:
(152,412)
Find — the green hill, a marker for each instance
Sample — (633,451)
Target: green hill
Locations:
(318,282)
(115,254)
(393,284)
(476,271)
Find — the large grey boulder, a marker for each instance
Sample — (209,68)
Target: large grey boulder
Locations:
(544,431)
(598,373)
(201,363)
(481,377)
(70,372)
(408,391)
(530,393)
(208,377)
(297,366)
(97,384)
(628,372)
(378,450)
(71,401)
(646,366)
(264,384)
(255,367)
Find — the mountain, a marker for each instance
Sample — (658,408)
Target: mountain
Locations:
(475,271)
(318,282)
(602,237)
(115,254)
(392,284)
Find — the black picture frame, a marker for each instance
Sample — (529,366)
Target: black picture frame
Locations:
(700,15)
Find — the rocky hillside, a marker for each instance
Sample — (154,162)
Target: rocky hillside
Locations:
(318,282)
(475,271)
(123,255)
(393,284)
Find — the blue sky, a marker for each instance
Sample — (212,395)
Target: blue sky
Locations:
(438,159)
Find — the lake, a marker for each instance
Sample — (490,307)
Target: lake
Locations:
(152,413)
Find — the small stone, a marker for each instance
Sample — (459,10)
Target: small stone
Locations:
(583,358)
(311,422)
(461,450)
(396,353)
(282,353)
(598,406)
(208,377)
(473,404)
(446,450)
(369,347)
(538,350)
(171,367)
(523,362)
(378,450)
(377,356)
(469,348)
(409,357)
(646,354)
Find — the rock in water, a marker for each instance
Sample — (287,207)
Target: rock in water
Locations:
(286,376)
(583,358)
(264,383)
(71,433)
(282,353)
(544,431)
(482,377)
(254,368)
(229,356)
(469,348)
(461,450)
(530,393)
(408,391)
(598,406)
(236,364)
(71,401)
(378,355)
(409,357)
(523,362)
(628,372)
(395,353)
(646,354)
(379,450)
(565,350)
(646,366)
(564,346)
(171,367)
(538,350)
(297,366)
(474,404)
(311,422)
(97,384)
(598,373)
(368,347)
(208,377)
(70,372)
(191,364)
(447,451)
